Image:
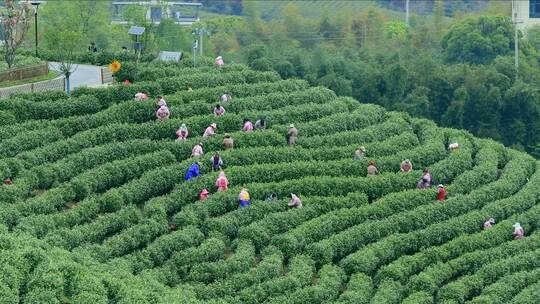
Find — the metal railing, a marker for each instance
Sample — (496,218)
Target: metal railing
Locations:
(53,84)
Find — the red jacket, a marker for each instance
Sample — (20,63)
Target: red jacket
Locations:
(441,195)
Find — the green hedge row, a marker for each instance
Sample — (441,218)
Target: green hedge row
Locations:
(160,250)
(233,222)
(406,266)
(170,85)
(51,95)
(498,238)
(153,130)
(326,290)
(388,292)
(136,191)
(467,286)
(296,239)
(396,245)
(343,122)
(299,274)
(317,95)
(507,287)
(223,202)
(177,267)
(96,231)
(133,238)
(152,72)
(241,260)
(339,245)
(213,94)
(114,95)
(248,156)
(32,139)
(134,111)
(261,231)
(527,295)
(127,112)
(268,268)
(359,290)
(24,109)
(197,191)
(278,170)
(99,179)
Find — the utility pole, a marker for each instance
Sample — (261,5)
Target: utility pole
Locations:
(407,12)
(195,46)
(515,9)
(200,31)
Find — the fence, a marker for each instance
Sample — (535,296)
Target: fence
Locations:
(106,75)
(27,72)
(53,84)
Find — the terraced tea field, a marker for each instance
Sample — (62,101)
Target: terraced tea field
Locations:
(99,211)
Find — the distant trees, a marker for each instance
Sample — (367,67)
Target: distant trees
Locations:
(82,20)
(479,40)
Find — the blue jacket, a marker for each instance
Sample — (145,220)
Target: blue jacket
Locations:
(192,172)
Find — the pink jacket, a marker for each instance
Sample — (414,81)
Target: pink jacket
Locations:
(222,182)
(487,225)
(248,126)
(219,61)
(163,113)
(141,97)
(197,151)
(219,111)
(209,132)
(162,102)
(182,134)
(295,202)
(519,233)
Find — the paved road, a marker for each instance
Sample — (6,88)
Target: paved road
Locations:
(84,75)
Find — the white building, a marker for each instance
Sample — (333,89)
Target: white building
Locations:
(184,13)
(528,13)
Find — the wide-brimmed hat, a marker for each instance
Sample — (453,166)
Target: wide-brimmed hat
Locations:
(205,191)
(362,148)
(213,125)
(440,186)
(291,126)
(517,225)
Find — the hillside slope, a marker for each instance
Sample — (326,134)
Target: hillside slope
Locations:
(99,211)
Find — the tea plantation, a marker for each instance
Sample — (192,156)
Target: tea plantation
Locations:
(99,212)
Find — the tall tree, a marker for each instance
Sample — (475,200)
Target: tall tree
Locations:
(90,19)
(15,21)
(479,40)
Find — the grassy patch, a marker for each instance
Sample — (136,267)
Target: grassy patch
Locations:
(51,75)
